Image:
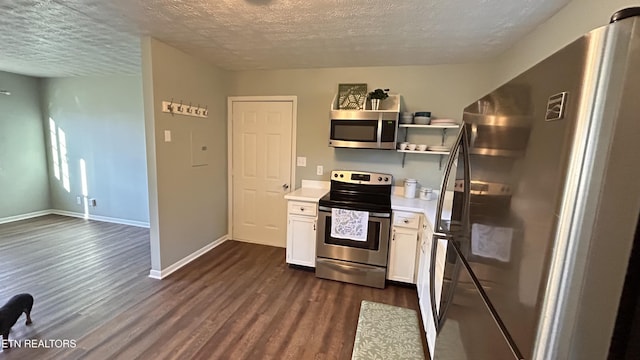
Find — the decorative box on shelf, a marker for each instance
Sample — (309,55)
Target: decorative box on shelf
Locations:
(388,105)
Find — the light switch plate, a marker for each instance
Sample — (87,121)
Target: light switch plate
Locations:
(319,170)
(301,161)
(167,136)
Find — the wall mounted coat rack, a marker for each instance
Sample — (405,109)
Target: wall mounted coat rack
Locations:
(175,108)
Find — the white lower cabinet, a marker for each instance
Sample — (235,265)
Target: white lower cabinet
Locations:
(301,233)
(403,247)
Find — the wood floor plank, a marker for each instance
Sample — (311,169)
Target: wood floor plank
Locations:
(238,301)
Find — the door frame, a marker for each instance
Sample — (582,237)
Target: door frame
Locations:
(294,120)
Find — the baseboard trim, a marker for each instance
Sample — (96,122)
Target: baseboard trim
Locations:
(161,274)
(26,216)
(100,218)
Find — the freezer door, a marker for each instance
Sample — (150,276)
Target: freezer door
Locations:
(469,330)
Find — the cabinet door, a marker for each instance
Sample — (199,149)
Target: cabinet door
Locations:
(301,240)
(402,255)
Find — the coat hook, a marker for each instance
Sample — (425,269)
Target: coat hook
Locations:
(180,107)
(170,107)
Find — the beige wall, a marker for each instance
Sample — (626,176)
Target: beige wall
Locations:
(574,20)
(188,204)
(443,90)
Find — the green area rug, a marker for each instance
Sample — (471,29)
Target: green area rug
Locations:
(387,332)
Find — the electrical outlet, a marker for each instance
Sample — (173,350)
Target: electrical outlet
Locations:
(301,161)
(319,170)
(93,202)
(79,200)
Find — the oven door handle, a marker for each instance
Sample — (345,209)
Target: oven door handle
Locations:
(371,214)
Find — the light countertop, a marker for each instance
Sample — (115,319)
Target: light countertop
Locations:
(311,191)
(306,194)
(426,207)
(416,205)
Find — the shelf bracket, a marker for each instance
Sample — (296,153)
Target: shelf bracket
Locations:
(444,136)
(403,156)
(440,166)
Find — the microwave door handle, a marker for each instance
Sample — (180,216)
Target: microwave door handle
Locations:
(379,129)
(432,291)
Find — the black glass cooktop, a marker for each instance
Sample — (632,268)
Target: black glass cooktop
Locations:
(372,198)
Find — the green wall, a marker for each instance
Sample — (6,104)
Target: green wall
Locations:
(102,121)
(23,171)
(188,204)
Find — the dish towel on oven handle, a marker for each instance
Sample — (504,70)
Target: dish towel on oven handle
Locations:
(491,241)
(349,224)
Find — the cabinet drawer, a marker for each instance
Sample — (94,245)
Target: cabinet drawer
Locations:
(302,208)
(406,219)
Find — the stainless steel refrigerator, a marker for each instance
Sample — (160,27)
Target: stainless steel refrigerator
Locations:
(539,206)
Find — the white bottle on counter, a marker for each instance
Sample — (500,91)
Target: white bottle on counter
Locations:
(410,188)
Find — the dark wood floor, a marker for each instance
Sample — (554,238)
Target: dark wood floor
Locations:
(239,301)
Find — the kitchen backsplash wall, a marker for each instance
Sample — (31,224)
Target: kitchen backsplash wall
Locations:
(442,89)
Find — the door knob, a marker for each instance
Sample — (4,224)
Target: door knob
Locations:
(285,186)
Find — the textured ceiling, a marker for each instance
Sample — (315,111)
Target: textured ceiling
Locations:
(51,38)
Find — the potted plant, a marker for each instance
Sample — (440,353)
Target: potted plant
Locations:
(376,96)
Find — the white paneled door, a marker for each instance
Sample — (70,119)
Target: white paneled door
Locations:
(261,170)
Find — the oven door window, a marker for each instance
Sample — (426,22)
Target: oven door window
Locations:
(372,242)
(354,130)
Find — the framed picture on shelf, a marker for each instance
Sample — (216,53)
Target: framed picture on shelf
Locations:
(352,96)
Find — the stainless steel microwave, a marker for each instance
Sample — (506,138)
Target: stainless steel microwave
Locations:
(363,129)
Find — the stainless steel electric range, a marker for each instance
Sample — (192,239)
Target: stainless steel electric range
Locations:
(354,223)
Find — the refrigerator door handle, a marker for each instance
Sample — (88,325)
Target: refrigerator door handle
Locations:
(440,318)
(432,289)
(445,179)
(448,297)
(466,232)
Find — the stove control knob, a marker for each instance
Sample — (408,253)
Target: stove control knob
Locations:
(380,178)
(386,179)
(335,175)
(341,175)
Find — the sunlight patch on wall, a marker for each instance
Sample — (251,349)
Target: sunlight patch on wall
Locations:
(54,148)
(62,141)
(85,191)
